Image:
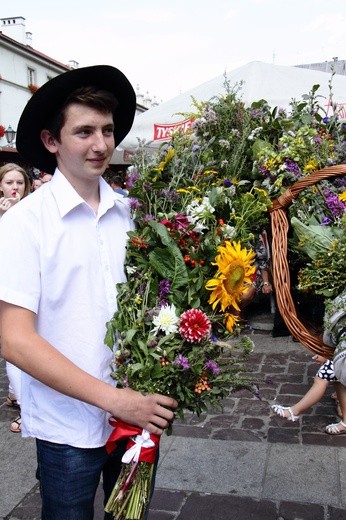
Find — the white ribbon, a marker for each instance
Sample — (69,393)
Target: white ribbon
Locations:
(141,441)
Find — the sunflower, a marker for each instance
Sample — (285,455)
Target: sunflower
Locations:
(231,321)
(235,270)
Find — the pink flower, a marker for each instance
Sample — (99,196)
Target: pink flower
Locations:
(194,326)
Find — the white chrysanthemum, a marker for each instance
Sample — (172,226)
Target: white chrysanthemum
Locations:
(166,320)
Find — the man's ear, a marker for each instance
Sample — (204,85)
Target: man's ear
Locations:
(48,141)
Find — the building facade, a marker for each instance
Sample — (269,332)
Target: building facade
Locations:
(23,70)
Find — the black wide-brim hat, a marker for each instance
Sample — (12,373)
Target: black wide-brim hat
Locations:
(48,98)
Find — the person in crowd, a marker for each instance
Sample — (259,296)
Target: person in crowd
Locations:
(14,185)
(262,278)
(46,178)
(325,375)
(36,184)
(73,236)
(116,183)
(334,335)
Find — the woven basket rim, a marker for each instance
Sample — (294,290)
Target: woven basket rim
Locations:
(280,268)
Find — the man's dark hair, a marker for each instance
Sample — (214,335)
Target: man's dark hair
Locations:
(102,100)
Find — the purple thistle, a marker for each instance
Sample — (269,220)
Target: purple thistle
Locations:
(182,361)
(212,366)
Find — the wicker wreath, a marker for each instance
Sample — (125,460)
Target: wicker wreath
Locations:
(281,274)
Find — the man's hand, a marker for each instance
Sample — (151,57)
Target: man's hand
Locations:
(153,412)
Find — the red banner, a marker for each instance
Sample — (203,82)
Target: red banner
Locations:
(164,132)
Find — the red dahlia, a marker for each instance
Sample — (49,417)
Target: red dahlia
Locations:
(194,326)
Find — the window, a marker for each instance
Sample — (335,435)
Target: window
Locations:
(31,76)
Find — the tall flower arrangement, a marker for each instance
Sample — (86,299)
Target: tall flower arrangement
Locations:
(188,263)
(199,204)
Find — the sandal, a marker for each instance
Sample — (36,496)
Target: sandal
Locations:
(334,429)
(280,411)
(11,402)
(16,425)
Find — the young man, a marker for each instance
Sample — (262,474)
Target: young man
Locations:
(64,255)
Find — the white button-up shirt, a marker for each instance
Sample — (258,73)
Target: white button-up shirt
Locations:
(62,261)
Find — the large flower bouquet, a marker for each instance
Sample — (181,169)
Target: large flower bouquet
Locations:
(199,205)
(188,263)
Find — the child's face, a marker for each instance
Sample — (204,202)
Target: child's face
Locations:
(12,185)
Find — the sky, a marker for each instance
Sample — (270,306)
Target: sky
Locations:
(165,48)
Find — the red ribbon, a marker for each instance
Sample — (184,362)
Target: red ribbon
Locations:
(123,431)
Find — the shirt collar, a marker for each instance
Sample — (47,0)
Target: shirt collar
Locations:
(67,198)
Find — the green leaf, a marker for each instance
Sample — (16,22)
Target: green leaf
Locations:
(169,263)
(258,146)
(313,239)
(109,338)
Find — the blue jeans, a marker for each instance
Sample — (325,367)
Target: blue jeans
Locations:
(69,478)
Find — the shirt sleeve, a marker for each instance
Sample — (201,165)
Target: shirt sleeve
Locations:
(19,261)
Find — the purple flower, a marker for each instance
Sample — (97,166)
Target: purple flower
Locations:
(263,170)
(182,361)
(131,179)
(292,167)
(134,204)
(335,205)
(212,366)
(148,218)
(318,139)
(326,221)
(227,183)
(169,194)
(147,187)
(164,289)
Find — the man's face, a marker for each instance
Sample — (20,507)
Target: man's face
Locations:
(86,143)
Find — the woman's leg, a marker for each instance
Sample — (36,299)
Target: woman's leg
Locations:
(312,396)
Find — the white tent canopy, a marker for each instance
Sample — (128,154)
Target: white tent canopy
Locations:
(277,84)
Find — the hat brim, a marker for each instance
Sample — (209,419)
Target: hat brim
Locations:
(48,98)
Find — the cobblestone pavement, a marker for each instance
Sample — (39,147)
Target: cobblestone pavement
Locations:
(282,370)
